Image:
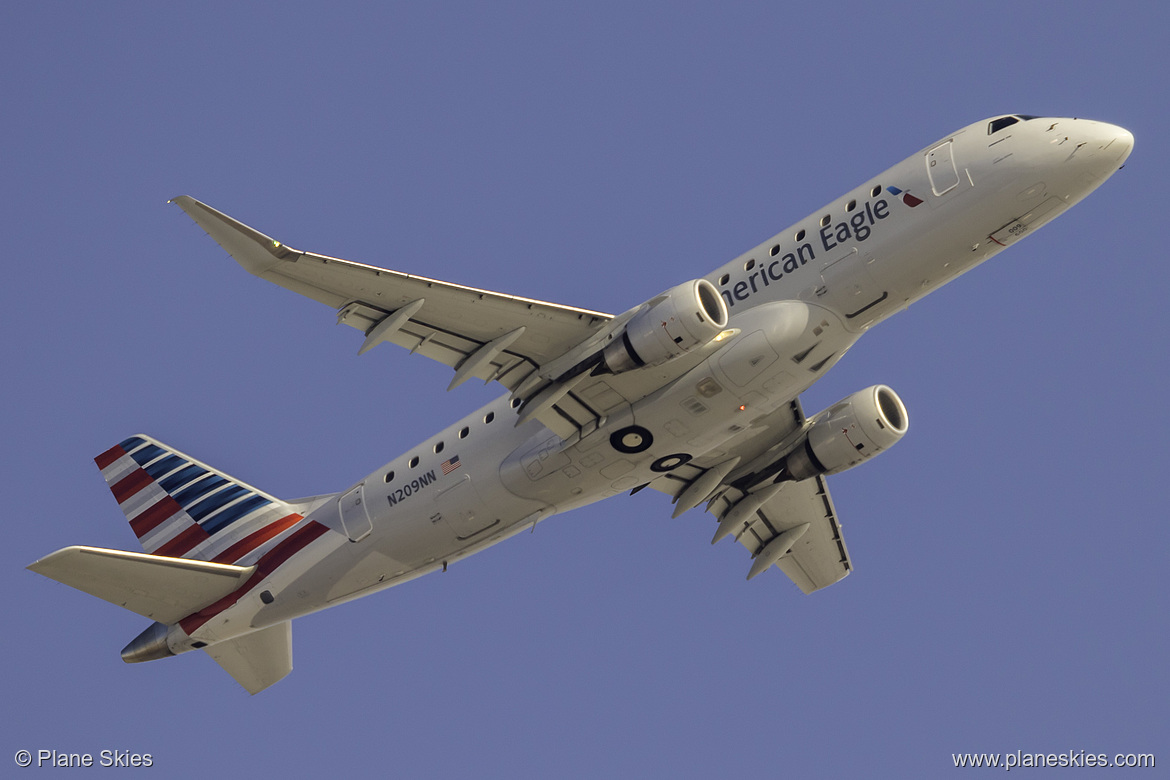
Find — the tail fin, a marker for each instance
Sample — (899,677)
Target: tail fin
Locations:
(180,507)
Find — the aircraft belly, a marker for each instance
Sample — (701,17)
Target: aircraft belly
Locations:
(781,349)
(461,514)
(370,568)
(953,247)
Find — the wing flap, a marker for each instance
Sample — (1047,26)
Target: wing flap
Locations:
(154,586)
(448,347)
(819,557)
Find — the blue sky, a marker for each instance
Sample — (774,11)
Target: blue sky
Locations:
(1010,589)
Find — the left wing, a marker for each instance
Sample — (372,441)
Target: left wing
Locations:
(818,556)
(483,334)
(790,524)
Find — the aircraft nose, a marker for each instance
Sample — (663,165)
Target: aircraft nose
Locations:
(1122,143)
(1109,142)
(1101,147)
(1082,153)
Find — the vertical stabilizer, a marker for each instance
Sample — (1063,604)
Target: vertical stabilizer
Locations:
(180,507)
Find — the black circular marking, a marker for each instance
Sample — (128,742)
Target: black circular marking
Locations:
(631,439)
(670,462)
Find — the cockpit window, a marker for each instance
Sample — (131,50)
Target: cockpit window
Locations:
(1007,121)
(999,124)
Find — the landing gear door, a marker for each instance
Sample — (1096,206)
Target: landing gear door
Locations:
(354,517)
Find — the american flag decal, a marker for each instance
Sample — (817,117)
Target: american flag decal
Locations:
(450,465)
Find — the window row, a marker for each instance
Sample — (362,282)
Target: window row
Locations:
(800,235)
(464,432)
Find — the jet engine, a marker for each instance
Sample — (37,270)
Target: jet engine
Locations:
(671,324)
(848,432)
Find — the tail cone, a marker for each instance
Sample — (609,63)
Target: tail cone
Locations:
(150,645)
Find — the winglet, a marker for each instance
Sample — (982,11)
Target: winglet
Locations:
(256,252)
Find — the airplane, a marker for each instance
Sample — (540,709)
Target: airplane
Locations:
(693,393)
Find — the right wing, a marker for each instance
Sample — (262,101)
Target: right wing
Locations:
(539,351)
(484,334)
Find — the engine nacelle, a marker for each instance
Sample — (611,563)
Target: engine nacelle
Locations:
(669,325)
(849,432)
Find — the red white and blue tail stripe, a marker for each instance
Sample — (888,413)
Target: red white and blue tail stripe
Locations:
(180,507)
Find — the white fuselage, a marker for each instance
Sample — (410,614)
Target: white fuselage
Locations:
(810,291)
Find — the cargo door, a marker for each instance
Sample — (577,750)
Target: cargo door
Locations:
(461,508)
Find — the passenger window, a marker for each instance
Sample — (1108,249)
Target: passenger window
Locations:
(414,461)
(463,432)
(389,477)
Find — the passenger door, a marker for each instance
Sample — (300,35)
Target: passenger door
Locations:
(354,517)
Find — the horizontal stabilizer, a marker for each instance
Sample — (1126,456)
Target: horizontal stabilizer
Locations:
(161,588)
(256,660)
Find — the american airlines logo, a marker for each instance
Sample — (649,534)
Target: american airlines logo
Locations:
(907,198)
